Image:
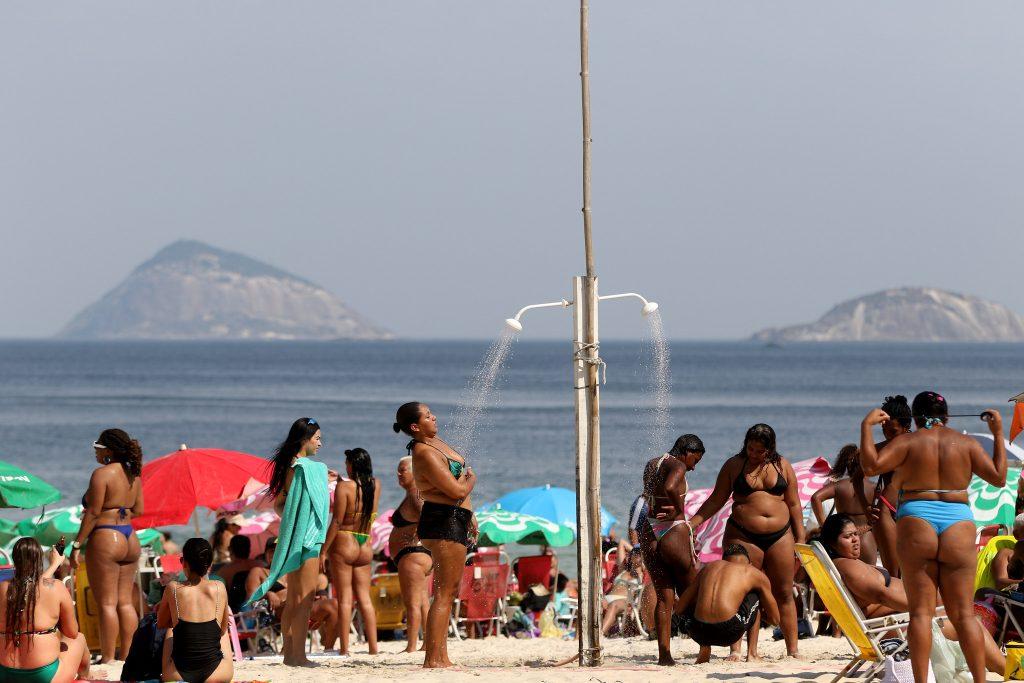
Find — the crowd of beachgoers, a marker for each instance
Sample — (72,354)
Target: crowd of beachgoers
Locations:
(900,539)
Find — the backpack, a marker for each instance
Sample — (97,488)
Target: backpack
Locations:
(144,661)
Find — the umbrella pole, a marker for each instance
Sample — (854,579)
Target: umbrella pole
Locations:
(195,521)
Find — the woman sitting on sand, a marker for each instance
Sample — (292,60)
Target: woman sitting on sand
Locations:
(348,548)
(410,556)
(932,468)
(875,591)
(197,648)
(446,524)
(766,517)
(852,494)
(40,641)
(112,548)
(299,486)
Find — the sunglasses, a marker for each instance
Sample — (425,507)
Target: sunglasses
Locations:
(97,444)
(312,422)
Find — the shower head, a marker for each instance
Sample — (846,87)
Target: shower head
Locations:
(513,324)
(649,307)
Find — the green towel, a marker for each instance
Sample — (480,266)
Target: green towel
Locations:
(303,524)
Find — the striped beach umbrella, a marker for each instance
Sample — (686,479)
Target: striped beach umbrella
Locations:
(380,532)
(498,527)
(993,504)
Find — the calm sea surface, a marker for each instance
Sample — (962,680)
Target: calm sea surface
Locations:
(55,398)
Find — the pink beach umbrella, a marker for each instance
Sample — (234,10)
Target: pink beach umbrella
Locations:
(811,475)
(260,529)
(380,532)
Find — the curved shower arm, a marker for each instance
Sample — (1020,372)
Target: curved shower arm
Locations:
(564,303)
(623,296)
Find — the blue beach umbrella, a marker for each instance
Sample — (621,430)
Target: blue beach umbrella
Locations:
(550,502)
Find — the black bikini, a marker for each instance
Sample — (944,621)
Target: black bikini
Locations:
(740,487)
(440,522)
(398,521)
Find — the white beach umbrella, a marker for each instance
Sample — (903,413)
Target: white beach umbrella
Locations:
(988,441)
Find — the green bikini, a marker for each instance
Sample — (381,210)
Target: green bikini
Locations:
(43,674)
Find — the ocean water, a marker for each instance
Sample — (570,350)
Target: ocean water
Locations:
(55,398)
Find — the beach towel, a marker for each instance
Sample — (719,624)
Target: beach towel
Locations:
(303,523)
(983,574)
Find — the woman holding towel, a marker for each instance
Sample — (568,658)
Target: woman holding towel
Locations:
(299,487)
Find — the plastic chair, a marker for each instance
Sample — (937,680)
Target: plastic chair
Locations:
(481,597)
(983,574)
(864,635)
(533,569)
(386,596)
(493,557)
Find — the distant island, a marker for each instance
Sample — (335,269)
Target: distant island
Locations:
(907,314)
(191,290)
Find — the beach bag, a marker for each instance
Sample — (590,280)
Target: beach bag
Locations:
(144,661)
(548,628)
(1014,665)
(947,659)
(897,662)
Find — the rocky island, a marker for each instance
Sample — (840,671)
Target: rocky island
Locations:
(191,290)
(908,314)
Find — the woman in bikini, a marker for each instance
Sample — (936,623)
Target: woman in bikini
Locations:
(112,550)
(932,468)
(447,525)
(877,592)
(851,493)
(196,649)
(410,555)
(766,518)
(40,641)
(883,504)
(348,548)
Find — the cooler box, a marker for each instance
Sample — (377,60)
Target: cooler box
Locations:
(87,610)
(386,596)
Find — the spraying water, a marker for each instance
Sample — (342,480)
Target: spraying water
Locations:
(661,384)
(479,393)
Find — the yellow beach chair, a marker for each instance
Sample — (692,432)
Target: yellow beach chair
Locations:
(983,576)
(386,596)
(863,634)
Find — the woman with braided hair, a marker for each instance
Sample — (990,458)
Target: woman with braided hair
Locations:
(851,493)
(113,499)
(766,518)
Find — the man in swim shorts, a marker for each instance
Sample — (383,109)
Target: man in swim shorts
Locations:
(665,536)
(725,601)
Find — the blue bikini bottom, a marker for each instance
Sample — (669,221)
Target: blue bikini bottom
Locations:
(939,513)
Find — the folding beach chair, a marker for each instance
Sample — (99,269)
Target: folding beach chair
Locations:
(482,595)
(533,569)
(864,635)
(987,533)
(983,574)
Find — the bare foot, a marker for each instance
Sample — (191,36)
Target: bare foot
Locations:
(702,659)
(753,657)
(666,661)
(799,657)
(733,657)
(439,664)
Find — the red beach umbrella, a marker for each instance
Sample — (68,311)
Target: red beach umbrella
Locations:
(174,485)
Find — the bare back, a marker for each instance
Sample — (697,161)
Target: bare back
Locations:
(53,606)
(665,486)
(722,586)
(936,459)
(112,496)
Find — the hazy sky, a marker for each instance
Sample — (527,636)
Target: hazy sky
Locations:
(754,163)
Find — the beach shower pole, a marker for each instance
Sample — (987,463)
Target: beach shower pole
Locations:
(587,395)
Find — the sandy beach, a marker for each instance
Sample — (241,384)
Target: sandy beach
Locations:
(629,660)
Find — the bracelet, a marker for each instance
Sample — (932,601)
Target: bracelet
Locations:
(75,545)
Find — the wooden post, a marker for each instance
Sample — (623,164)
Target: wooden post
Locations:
(588,469)
(588,417)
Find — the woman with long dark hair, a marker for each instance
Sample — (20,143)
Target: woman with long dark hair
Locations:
(40,641)
(113,499)
(299,486)
(410,555)
(446,524)
(852,494)
(197,649)
(766,517)
(348,545)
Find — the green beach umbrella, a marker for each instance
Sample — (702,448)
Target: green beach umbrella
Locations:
(993,504)
(8,531)
(498,527)
(19,489)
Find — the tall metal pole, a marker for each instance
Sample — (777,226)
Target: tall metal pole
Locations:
(587,395)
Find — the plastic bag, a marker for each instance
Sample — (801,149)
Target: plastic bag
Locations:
(548,628)
(947,658)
